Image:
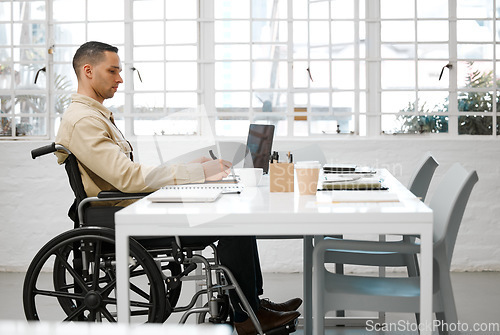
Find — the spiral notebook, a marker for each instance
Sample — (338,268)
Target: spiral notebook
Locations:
(193,192)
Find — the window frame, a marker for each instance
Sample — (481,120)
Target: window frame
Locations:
(367,122)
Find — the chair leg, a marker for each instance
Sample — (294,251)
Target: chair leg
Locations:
(449,317)
(442,330)
(413,271)
(339,269)
(417,318)
(412,265)
(319,270)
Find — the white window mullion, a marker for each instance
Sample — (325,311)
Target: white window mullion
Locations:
(251,64)
(128,108)
(309,108)
(12,78)
(49,43)
(373,71)
(495,86)
(357,63)
(330,57)
(453,100)
(206,65)
(290,89)
(416,60)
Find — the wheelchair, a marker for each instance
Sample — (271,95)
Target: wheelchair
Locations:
(82,284)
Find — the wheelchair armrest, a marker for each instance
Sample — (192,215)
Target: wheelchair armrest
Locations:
(118,194)
(104,196)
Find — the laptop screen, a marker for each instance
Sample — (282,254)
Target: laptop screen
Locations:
(259,144)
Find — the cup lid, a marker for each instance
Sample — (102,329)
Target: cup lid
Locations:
(307,164)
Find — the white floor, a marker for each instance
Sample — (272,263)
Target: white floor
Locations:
(477,296)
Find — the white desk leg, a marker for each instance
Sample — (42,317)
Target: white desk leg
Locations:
(122,275)
(307,284)
(426,281)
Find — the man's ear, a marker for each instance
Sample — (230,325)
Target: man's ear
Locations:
(87,71)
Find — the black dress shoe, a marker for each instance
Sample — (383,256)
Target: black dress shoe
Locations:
(268,320)
(287,306)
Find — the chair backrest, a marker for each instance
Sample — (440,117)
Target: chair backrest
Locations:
(421,178)
(448,204)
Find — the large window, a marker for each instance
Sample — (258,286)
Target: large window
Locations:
(438,66)
(311,67)
(24,104)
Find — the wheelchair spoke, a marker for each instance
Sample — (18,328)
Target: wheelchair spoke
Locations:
(72,286)
(133,303)
(137,273)
(92,316)
(109,301)
(139,312)
(140,304)
(58,294)
(75,313)
(73,272)
(108,288)
(132,268)
(139,291)
(107,314)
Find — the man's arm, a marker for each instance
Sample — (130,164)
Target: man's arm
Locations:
(92,144)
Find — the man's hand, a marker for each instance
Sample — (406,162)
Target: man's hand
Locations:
(216,169)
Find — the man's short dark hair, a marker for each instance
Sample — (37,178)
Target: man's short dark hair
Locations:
(92,53)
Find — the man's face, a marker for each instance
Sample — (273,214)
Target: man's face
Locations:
(106,75)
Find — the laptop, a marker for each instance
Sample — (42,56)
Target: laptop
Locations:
(259,144)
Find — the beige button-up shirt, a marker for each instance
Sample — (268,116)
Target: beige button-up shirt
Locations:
(103,153)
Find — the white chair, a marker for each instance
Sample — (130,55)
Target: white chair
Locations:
(418,185)
(389,294)
(422,176)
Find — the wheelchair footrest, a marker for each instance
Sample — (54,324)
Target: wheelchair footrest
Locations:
(285,329)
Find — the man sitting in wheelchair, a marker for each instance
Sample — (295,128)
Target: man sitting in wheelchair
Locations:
(105,161)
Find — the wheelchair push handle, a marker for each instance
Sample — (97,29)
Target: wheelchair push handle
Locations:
(47,149)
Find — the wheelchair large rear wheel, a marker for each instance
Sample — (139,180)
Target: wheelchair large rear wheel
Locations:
(83,282)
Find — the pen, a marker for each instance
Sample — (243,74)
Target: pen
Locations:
(275,157)
(231,192)
(215,157)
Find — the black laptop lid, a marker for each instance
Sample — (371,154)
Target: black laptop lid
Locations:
(259,144)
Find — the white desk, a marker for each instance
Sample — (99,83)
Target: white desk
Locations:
(256,211)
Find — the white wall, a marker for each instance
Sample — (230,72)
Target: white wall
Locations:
(35,195)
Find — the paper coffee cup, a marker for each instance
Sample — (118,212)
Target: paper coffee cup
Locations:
(307,173)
